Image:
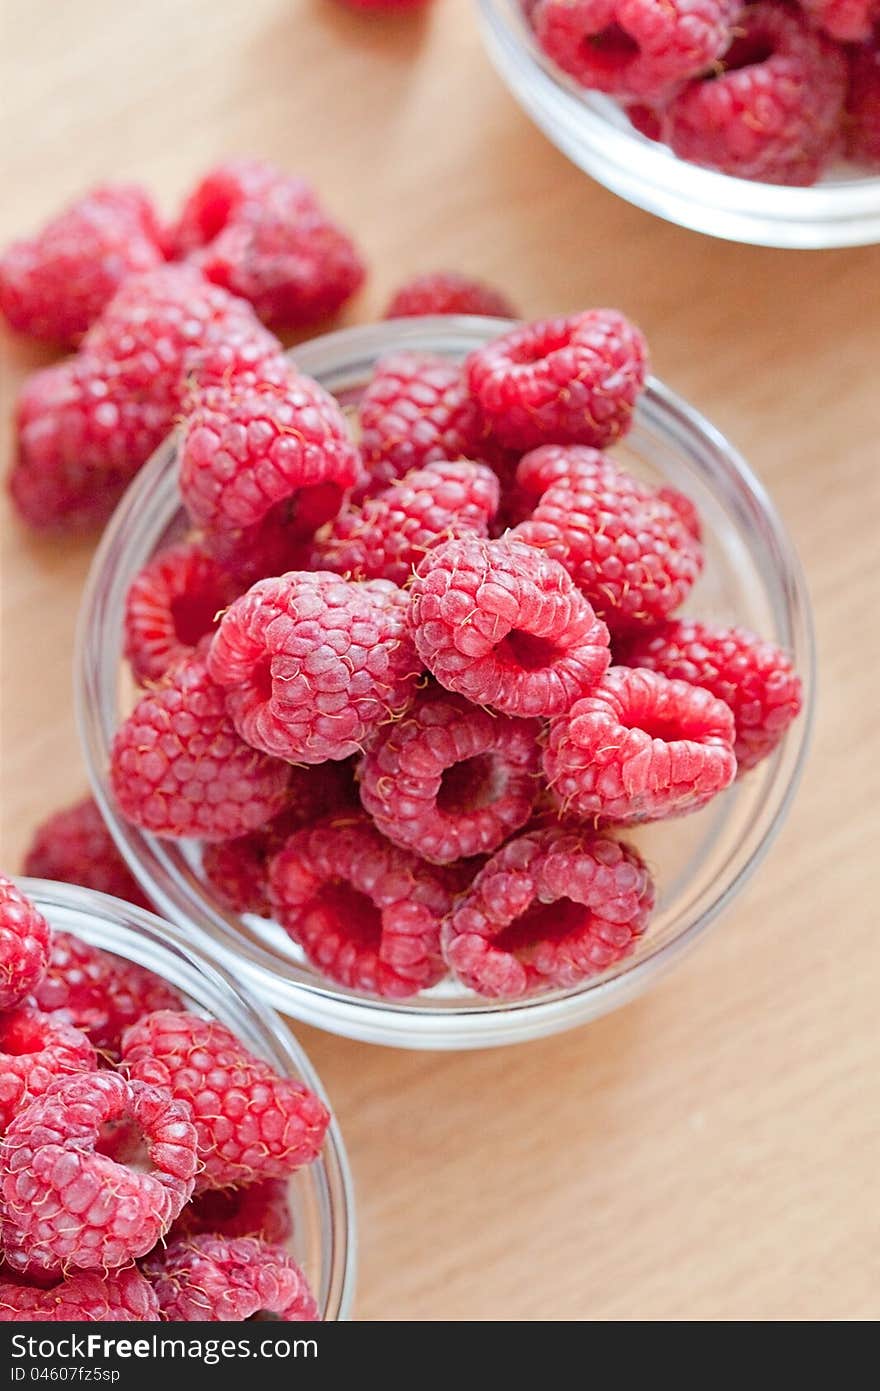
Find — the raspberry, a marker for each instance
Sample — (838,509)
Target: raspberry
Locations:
(24,945)
(640,748)
(504,626)
(35,1050)
(633,48)
(313,664)
(686,508)
(447,292)
(251,1123)
(261,469)
(551,908)
(55,284)
(849,21)
(863,105)
(753,677)
(215,1279)
(119,1296)
(178,767)
(95,1171)
(415,411)
(626,547)
(366,913)
(774,111)
(75,847)
(571,380)
(389,535)
(99,993)
(449,780)
(259,1210)
(263,235)
(171,605)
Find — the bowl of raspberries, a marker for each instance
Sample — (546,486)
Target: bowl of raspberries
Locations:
(166,1152)
(758,122)
(447,678)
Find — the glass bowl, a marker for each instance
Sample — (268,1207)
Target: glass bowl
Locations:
(843,209)
(752,576)
(320,1196)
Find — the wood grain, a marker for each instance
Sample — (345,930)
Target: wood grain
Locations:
(710,1152)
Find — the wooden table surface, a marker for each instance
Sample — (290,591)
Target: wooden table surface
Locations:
(711,1151)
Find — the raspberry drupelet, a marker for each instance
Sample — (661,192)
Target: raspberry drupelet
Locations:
(549,909)
(251,1123)
(569,380)
(313,664)
(171,605)
(259,1210)
(74,846)
(863,105)
(504,626)
(849,21)
(24,944)
(35,1050)
(94,1172)
(366,913)
(450,780)
(753,677)
(119,1296)
(448,292)
(178,767)
(640,747)
(217,1279)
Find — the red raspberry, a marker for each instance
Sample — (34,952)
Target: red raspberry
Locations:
(753,677)
(773,113)
(626,548)
(633,48)
(313,664)
(549,909)
(24,945)
(415,411)
(55,284)
(863,105)
(35,1050)
(849,21)
(447,292)
(259,1210)
(119,1296)
(211,1279)
(366,913)
(178,767)
(171,605)
(640,748)
(388,536)
(449,780)
(504,626)
(75,847)
(99,993)
(95,1171)
(264,235)
(569,380)
(251,1123)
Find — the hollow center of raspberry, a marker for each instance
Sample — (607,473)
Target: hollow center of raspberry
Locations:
(747,51)
(469,785)
(528,652)
(193,616)
(340,909)
(540,924)
(611,48)
(122,1140)
(261,680)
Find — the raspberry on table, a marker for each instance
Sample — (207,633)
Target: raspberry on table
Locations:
(178,767)
(633,48)
(862,120)
(251,1123)
(366,913)
(94,1171)
(259,1210)
(640,747)
(774,109)
(569,380)
(219,1279)
(75,847)
(389,534)
(626,547)
(503,625)
(450,780)
(99,993)
(55,284)
(753,677)
(313,664)
(849,21)
(448,292)
(171,605)
(25,941)
(550,908)
(85,1296)
(35,1050)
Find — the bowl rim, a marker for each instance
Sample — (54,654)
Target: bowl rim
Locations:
(474,1023)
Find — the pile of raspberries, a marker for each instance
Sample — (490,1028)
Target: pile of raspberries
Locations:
(145,1152)
(771,90)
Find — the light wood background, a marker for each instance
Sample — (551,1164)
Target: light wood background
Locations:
(711,1152)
